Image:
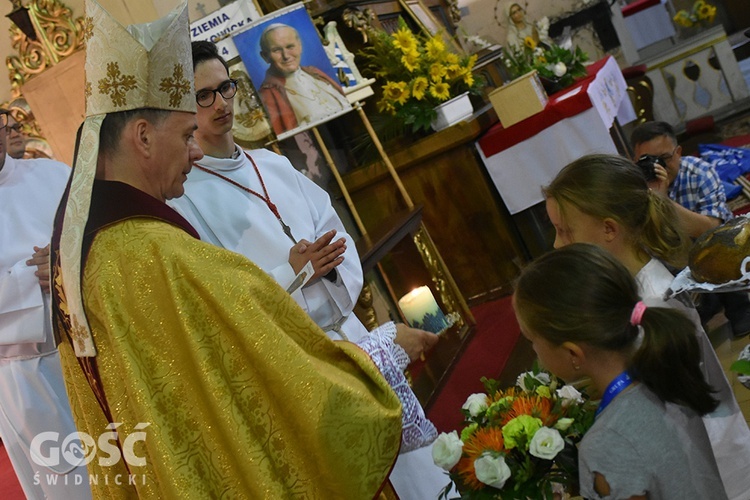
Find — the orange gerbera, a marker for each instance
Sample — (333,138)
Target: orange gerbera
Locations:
(487,439)
(536,406)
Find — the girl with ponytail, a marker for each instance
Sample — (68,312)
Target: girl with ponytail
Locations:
(580,309)
(605,200)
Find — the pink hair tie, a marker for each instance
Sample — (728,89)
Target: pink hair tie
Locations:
(637,314)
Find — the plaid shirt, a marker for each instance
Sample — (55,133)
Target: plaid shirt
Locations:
(697,187)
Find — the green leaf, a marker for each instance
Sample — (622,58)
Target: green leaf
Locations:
(741,366)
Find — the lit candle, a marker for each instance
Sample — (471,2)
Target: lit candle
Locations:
(421,310)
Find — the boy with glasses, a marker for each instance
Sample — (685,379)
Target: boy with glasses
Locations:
(700,202)
(16,140)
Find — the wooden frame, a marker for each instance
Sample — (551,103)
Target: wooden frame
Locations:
(428,23)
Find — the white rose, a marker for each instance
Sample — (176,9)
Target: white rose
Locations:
(492,471)
(546,443)
(541,377)
(569,394)
(476,404)
(560,69)
(543,24)
(446,451)
(563,424)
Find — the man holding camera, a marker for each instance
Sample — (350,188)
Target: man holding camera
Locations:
(700,202)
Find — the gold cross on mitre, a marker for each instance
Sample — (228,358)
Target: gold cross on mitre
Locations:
(142,66)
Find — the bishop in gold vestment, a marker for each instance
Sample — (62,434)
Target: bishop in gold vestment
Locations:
(244,396)
(190,373)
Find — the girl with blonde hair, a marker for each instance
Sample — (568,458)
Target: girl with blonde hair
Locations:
(605,200)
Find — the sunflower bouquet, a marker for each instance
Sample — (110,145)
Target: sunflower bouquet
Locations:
(517,443)
(419,73)
(701,13)
(554,64)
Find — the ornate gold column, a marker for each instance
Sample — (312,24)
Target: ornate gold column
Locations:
(58,36)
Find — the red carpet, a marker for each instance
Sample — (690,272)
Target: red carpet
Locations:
(9,486)
(495,336)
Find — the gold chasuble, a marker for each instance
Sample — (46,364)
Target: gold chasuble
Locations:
(223,386)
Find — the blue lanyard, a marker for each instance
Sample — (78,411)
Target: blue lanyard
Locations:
(619,384)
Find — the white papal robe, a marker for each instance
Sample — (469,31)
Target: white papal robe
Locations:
(32,392)
(228,216)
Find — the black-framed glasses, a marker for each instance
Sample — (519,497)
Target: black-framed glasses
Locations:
(206,97)
(13,128)
(3,119)
(668,156)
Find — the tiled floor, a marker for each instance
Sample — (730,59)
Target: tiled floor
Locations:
(728,349)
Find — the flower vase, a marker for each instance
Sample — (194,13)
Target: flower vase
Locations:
(556,84)
(452,111)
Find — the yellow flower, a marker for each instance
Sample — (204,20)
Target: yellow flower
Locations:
(451,58)
(434,47)
(404,39)
(437,71)
(396,92)
(419,87)
(440,90)
(469,78)
(410,60)
(386,106)
(471,61)
(683,19)
(541,60)
(529,42)
(706,13)
(453,71)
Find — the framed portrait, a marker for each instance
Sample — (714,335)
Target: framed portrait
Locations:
(291,71)
(425,19)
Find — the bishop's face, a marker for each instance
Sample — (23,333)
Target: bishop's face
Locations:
(217,119)
(177,152)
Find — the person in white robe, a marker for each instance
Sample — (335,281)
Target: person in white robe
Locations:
(35,415)
(228,215)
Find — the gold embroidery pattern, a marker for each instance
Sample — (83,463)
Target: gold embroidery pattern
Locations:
(69,323)
(176,86)
(116,84)
(87,28)
(88,90)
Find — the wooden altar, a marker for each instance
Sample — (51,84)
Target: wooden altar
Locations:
(464,215)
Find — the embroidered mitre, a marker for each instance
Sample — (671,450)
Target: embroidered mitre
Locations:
(142,66)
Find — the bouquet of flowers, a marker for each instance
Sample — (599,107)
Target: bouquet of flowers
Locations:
(702,12)
(553,63)
(419,72)
(519,442)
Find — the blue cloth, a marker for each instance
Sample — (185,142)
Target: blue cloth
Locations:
(729,162)
(698,188)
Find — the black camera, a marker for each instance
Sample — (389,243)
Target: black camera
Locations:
(647,162)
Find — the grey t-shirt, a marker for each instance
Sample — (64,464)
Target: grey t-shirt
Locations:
(643,446)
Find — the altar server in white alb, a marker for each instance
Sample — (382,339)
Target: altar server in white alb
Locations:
(33,400)
(255,203)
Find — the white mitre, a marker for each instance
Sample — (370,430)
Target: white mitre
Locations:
(142,66)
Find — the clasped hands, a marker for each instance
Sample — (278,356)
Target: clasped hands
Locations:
(40,259)
(322,254)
